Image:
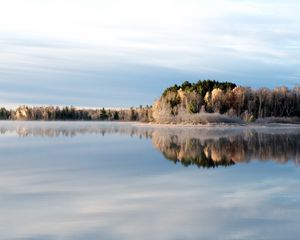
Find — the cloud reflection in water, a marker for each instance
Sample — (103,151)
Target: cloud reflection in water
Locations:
(105,181)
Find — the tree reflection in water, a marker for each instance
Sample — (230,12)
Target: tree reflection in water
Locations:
(226,151)
(206,147)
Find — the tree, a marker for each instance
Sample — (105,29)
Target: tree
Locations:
(103,114)
(116,115)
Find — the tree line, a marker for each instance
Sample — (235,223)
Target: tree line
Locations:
(210,96)
(191,102)
(51,113)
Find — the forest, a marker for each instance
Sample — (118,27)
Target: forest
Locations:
(50,113)
(213,101)
(206,101)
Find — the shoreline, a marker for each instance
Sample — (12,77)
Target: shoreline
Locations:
(220,125)
(158,125)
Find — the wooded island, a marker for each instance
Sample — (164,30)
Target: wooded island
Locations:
(206,101)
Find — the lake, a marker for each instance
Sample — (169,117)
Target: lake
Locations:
(101,180)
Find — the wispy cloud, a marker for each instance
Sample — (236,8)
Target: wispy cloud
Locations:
(241,41)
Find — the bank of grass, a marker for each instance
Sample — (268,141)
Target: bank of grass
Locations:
(287,120)
(216,118)
(200,118)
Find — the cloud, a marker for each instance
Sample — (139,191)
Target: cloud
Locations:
(248,42)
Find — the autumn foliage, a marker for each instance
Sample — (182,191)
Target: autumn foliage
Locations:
(224,99)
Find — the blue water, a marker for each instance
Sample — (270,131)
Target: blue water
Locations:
(69,180)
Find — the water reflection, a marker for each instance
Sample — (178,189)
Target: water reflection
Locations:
(202,147)
(108,181)
(225,151)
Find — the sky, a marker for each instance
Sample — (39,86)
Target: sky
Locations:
(117,53)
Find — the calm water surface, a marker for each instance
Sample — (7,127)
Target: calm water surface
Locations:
(63,180)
